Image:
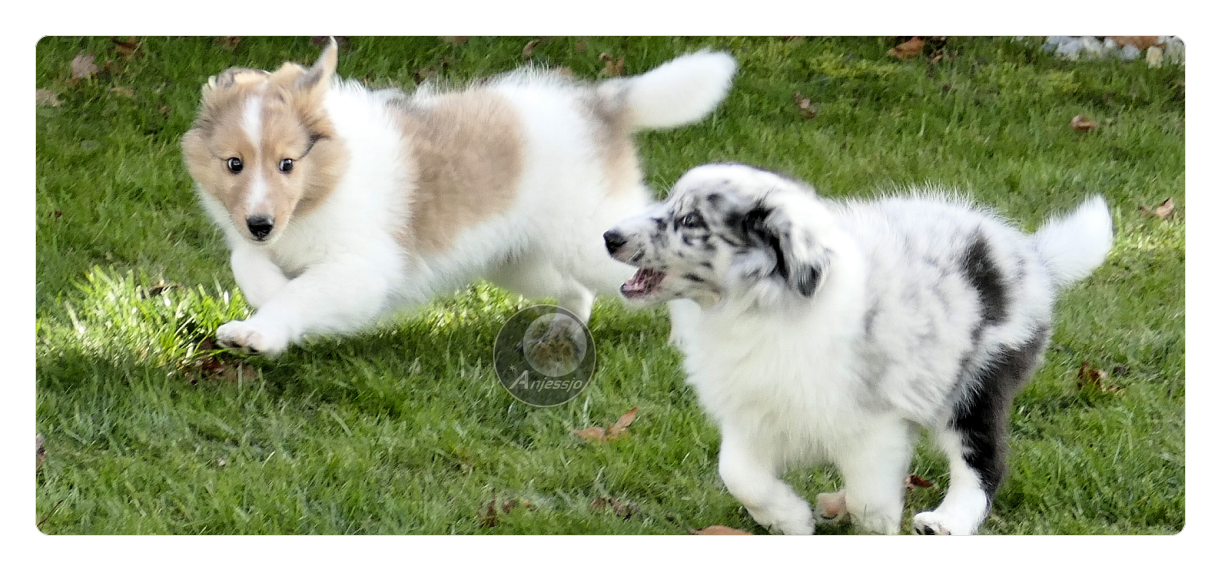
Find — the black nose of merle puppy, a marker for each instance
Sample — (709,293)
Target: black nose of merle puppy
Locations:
(614,241)
(259,226)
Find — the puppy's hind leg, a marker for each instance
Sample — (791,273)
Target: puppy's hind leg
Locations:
(974,441)
(753,479)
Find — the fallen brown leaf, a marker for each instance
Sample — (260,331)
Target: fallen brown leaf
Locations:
(46,97)
(1139,42)
(625,510)
(528,51)
(126,47)
(156,290)
(808,110)
(621,425)
(602,435)
(489,515)
(83,66)
(592,434)
(423,73)
(1081,124)
(579,47)
(914,481)
(1088,377)
(909,49)
(719,530)
(228,43)
(1164,210)
(614,68)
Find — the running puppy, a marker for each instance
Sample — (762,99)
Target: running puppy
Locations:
(823,331)
(340,203)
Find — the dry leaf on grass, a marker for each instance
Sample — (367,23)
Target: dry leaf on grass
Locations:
(1164,210)
(909,49)
(621,425)
(528,51)
(1139,42)
(601,435)
(914,481)
(614,68)
(719,530)
(46,98)
(579,47)
(489,515)
(1088,377)
(228,43)
(83,66)
(808,110)
(126,47)
(624,510)
(592,434)
(1081,124)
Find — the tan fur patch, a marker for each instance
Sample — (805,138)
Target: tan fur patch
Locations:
(612,135)
(468,153)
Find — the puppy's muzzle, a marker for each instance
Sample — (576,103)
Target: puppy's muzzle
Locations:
(260,226)
(614,241)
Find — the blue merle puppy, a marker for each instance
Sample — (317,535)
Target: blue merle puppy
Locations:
(821,331)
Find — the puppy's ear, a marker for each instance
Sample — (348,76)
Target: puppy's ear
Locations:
(319,76)
(797,260)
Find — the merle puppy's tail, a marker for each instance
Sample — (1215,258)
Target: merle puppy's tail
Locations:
(1072,246)
(678,92)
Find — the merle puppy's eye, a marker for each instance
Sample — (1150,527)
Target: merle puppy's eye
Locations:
(286,165)
(234,164)
(691,220)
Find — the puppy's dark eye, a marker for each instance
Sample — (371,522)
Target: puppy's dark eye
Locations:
(691,220)
(286,165)
(234,164)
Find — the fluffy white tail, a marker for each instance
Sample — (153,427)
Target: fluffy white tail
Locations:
(680,91)
(1072,246)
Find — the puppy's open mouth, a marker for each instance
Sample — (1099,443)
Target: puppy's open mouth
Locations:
(644,282)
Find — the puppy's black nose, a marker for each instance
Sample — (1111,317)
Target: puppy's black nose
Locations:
(614,241)
(259,226)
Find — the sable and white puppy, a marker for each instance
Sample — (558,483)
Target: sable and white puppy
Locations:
(340,203)
(829,331)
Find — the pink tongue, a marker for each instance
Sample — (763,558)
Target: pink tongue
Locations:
(642,281)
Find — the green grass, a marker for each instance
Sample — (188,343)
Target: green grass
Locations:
(404,429)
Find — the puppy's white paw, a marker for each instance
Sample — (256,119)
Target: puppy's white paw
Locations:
(830,507)
(793,520)
(934,523)
(250,337)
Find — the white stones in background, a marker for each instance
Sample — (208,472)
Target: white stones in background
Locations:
(1169,49)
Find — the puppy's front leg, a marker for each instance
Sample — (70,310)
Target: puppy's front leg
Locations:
(258,277)
(327,298)
(753,479)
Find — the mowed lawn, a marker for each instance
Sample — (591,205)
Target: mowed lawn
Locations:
(404,429)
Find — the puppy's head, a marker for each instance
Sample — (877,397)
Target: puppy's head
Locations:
(726,230)
(262,147)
